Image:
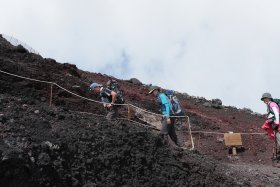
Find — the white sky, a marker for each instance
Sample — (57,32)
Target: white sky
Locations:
(227,49)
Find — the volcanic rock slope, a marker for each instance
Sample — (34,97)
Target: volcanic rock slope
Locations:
(70,143)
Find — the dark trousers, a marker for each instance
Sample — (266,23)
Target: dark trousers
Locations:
(112,113)
(169,129)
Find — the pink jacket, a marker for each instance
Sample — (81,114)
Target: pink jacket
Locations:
(273,107)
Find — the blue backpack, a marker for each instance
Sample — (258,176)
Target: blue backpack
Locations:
(176,107)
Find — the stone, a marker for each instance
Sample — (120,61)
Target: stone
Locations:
(43,159)
(207,104)
(24,106)
(32,159)
(43,99)
(21,49)
(2,118)
(247,110)
(135,81)
(216,103)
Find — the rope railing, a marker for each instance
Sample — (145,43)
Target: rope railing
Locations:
(104,116)
(221,133)
(85,98)
(128,105)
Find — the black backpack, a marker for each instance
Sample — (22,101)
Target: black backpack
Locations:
(114,86)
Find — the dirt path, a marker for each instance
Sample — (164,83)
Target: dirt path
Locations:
(268,174)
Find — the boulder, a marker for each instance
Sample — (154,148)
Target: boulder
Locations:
(135,81)
(207,104)
(21,49)
(247,110)
(216,103)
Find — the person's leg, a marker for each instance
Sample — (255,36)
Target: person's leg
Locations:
(164,130)
(112,113)
(172,131)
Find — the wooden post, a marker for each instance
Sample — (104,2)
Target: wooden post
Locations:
(190,131)
(234,151)
(51,95)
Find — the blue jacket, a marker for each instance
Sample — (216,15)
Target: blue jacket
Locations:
(165,104)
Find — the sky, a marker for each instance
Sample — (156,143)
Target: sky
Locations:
(226,49)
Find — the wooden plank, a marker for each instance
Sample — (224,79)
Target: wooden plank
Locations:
(232,139)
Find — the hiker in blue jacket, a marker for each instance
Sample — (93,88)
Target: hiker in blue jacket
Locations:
(168,127)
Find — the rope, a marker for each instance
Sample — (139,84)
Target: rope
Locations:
(26,78)
(48,82)
(85,97)
(78,95)
(155,113)
(100,115)
(221,133)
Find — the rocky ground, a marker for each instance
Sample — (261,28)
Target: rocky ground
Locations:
(42,145)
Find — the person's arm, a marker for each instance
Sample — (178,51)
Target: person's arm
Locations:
(166,111)
(164,101)
(276,115)
(114,97)
(105,92)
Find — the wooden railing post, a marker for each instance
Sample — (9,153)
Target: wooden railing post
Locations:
(128,112)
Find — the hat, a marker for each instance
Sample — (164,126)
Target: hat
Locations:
(169,92)
(266,95)
(153,88)
(94,85)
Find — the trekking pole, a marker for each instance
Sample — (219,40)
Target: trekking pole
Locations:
(275,144)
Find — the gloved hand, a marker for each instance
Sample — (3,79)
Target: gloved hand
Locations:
(275,126)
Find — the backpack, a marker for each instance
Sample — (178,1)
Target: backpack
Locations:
(277,101)
(114,86)
(175,104)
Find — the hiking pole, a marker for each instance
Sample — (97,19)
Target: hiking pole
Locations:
(275,144)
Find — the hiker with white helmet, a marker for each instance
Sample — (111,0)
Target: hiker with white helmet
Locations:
(271,125)
(168,127)
(109,98)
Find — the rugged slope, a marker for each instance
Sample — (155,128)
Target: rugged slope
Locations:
(58,146)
